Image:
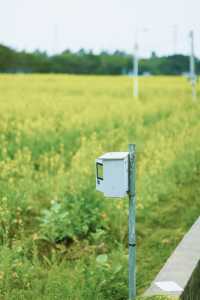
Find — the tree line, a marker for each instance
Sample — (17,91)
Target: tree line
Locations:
(86,62)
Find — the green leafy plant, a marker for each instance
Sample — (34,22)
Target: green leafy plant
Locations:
(72,218)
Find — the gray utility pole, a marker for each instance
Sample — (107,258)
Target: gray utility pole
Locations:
(132,234)
(55,39)
(192,66)
(175,38)
(136,61)
(135,70)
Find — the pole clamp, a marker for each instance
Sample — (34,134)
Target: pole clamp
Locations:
(132,245)
(133,195)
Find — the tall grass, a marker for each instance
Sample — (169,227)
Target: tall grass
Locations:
(59,238)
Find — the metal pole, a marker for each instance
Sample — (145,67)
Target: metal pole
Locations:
(175,36)
(132,235)
(192,66)
(135,71)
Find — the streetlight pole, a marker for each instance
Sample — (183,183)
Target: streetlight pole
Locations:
(135,70)
(175,37)
(136,62)
(192,66)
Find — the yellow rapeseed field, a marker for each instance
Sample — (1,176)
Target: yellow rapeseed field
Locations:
(54,225)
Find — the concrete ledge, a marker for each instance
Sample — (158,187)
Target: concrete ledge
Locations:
(180,276)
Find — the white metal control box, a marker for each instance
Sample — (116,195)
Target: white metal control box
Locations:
(112,174)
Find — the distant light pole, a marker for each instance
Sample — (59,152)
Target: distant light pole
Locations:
(192,65)
(135,70)
(136,63)
(175,38)
(55,39)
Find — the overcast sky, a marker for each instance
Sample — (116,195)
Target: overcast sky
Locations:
(54,25)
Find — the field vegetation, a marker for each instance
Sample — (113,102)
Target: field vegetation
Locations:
(59,238)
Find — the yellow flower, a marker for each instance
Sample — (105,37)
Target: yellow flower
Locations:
(14,275)
(35,237)
(1,275)
(104,216)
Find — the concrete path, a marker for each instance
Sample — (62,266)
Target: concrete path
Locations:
(180,276)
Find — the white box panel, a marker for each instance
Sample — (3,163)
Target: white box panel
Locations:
(112,174)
